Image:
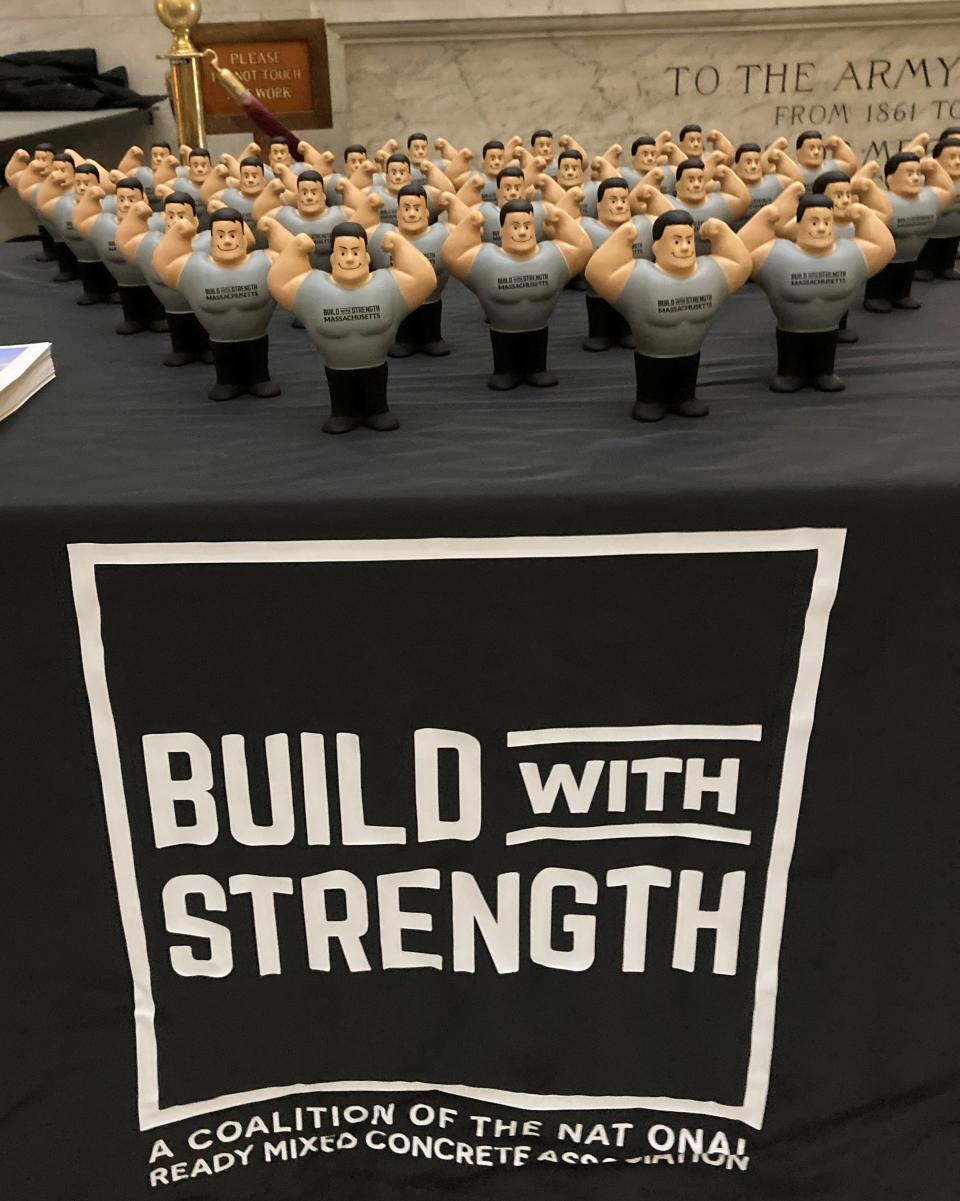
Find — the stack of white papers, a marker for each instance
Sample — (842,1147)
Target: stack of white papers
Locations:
(23,371)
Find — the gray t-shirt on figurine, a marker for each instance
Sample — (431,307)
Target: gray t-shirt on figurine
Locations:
(715,205)
(319,228)
(518,295)
(429,243)
(61,218)
(669,317)
(912,223)
(103,235)
(761,194)
(351,327)
(810,293)
(231,303)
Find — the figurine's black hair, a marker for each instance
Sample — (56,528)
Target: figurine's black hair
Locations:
(87,169)
(949,132)
(252,161)
(348,229)
(690,164)
(515,206)
(613,182)
(310,177)
(492,145)
(511,172)
(199,152)
(64,158)
(45,146)
(644,140)
(897,160)
(812,202)
(226,214)
(571,154)
(397,158)
(354,148)
(808,135)
(674,217)
(540,133)
(943,144)
(165,145)
(822,182)
(180,198)
(414,189)
(747,148)
(279,140)
(417,137)
(130,182)
(693,128)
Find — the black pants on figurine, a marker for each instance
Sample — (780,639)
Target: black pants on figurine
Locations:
(937,258)
(421,331)
(141,310)
(605,326)
(520,358)
(806,358)
(48,247)
(667,385)
(188,339)
(242,367)
(98,284)
(890,288)
(67,261)
(358,397)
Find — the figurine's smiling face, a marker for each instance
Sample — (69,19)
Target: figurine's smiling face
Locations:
(675,251)
(157,155)
(518,235)
(614,206)
(198,167)
(280,155)
(747,167)
(413,216)
(645,158)
(691,186)
(493,161)
(570,172)
(692,144)
(228,242)
(172,211)
(907,180)
(81,181)
(949,160)
(417,150)
(126,199)
(543,148)
(397,175)
(349,260)
(509,188)
(815,230)
(842,196)
(251,181)
(355,160)
(810,153)
(310,197)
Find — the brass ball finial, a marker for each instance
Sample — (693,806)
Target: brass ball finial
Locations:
(179,16)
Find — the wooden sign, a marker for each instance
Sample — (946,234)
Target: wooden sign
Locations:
(283,63)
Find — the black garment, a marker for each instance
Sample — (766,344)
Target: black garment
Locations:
(806,356)
(65,79)
(666,381)
(939,255)
(603,320)
(48,247)
(893,283)
(66,259)
(519,353)
(96,279)
(240,364)
(358,393)
(422,326)
(139,304)
(187,335)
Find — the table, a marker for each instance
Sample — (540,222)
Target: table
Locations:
(601,774)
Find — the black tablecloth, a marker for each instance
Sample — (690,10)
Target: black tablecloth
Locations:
(864,1085)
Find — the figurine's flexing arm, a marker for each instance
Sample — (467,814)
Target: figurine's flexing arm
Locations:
(872,236)
(435,178)
(87,210)
(131,161)
(470,191)
(367,210)
(734,189)
(610,267)
(723,144)
(645,198)
(174,250)
(214,184)
(289,270)
(415,278)
(565,233)
(727,251)
(937,179)
(843,154)
(52,188)
(17,163)
(772,218)
(270,199)
(132,229)
(463,244)
(868,191)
